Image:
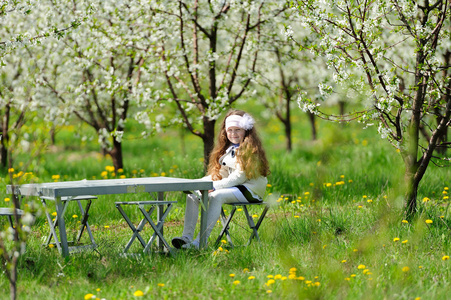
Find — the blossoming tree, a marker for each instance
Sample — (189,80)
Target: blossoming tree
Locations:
(23,26)
(90,74)
(207,55)
(398,51)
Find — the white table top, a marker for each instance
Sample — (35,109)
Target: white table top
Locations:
(54,190)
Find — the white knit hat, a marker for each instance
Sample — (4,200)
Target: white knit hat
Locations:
(246,121)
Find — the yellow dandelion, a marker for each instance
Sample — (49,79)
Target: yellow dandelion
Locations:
(278,276)
(361,267)
(54,213)
(106,226)
(51,245)
(270,276)
(353,275)
(268,291)
(446,257)
(428,221)
(301,278)
(74,216)
(138,293)
(245,270)
(232,275)
(89,296)
(254,216)
(251,277)
(343,261)
(347,278)
(7,199)
(269,185)
(426,199)
(405,222)
(405,269)
(445,198)
(293,270)
(236,282)
(270,281)
(405,241)
(396,239)
(161,284)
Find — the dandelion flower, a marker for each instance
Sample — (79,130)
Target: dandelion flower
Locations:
(268,291)
(89,296)
(236,282)
(426,199)
(428,221)
(361,267)
(396,239)
(251,277)
(278,276)
(161,284)
(245,270)
(446,257)
(405,222)
(138,293)
(405,269)
(270,281)
(7,199)
(232,275)
(74,216)
(343,261)
(405,241)
(293,270)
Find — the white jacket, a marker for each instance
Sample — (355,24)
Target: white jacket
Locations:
(233,175)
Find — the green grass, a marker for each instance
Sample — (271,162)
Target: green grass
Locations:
(337,206)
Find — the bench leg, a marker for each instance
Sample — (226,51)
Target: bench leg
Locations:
(133,228)
(225,226)
(158,229)
(257,226)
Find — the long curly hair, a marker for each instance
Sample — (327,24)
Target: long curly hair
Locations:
(251,155)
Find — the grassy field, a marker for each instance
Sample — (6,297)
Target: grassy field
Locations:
(335,229)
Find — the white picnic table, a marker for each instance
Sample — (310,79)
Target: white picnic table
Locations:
(56,191)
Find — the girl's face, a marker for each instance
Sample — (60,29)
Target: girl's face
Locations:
(235,134)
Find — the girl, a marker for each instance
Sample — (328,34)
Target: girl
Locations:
(238,168)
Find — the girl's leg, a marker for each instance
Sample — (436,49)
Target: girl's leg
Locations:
(191,215)
(216,200)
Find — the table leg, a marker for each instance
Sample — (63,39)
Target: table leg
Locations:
(160,212)
(203,219)
(62,227)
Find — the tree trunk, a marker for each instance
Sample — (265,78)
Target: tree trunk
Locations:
(3,153)
(313,125)
(13,283)
(208,139)
(116,155)
(287,124)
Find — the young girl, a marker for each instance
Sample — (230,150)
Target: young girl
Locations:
(238,168)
